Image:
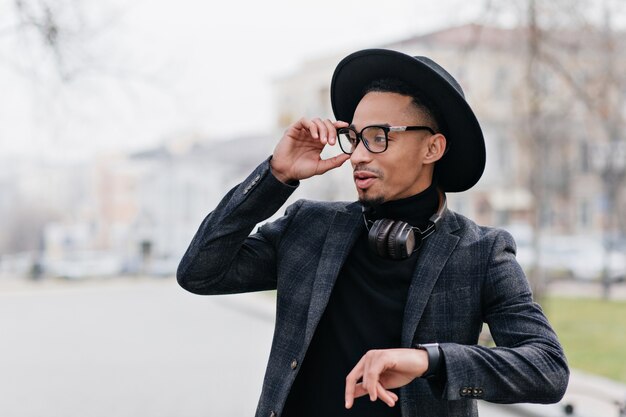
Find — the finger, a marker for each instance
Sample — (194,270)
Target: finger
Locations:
(359,390)
(370,378)
(311,127)
(351,383)
(387,397)
(323,130)
(393,396)
(332,132)
(326,165)
(338,125)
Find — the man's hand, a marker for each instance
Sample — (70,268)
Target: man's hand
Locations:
(382,370)
(297,155)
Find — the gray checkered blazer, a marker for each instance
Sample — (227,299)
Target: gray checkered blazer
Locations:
(467,275)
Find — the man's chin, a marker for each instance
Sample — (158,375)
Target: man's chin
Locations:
(371,202)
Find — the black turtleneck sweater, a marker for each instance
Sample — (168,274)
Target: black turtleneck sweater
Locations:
(365,311)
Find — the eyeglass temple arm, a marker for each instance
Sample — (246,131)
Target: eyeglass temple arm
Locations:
(405,128)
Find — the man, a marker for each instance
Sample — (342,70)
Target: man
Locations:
(381,301)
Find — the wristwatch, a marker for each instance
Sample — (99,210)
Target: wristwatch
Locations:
(432,349)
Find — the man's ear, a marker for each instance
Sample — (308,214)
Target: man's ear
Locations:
(436,148)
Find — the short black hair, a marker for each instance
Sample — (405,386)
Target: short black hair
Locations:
(420,101)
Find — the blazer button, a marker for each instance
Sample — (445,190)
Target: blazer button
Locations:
(464,392)
(294,364)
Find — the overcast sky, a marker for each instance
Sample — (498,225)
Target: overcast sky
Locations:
(152,69)
(160,68)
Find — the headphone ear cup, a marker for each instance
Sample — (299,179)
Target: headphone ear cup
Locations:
(377,236)
(399,244)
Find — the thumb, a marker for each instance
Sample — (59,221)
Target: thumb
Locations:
(326,165)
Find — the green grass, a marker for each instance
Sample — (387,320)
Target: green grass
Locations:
(592,332)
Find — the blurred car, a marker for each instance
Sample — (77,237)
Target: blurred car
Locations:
(582,257)
(83,264)
(163,266)
(570,256)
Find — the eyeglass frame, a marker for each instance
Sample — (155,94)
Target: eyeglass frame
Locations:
(386,129)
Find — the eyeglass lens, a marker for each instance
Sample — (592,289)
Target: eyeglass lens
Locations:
(374,139)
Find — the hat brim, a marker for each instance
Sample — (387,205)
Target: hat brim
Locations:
(463,165)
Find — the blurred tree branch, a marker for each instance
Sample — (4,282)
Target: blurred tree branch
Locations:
(564,40)
(48,25)
(65,36)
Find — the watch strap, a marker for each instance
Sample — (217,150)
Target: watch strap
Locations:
(434,354)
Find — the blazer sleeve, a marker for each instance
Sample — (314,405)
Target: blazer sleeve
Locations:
(223,258)
(528,363)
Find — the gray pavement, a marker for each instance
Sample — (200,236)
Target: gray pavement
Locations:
(128,350)
(147,348)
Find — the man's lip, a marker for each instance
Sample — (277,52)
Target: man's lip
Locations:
(364,179)
(363,175)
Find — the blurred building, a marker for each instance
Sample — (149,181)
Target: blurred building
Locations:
(36,195)
(152,202)
(137,213)
(492,66)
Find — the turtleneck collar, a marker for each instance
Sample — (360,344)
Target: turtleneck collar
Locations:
(415,210)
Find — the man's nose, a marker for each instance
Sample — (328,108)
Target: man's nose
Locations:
(360,154)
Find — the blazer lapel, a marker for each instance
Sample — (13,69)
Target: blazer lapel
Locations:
(342,234)
(433,256)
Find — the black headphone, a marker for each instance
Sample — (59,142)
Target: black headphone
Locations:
(395,239)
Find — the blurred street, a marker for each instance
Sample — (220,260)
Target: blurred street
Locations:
(147,348)
(130,349)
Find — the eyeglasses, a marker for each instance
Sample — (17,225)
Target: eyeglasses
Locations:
(375,138)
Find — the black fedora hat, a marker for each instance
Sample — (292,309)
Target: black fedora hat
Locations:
(463,165)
